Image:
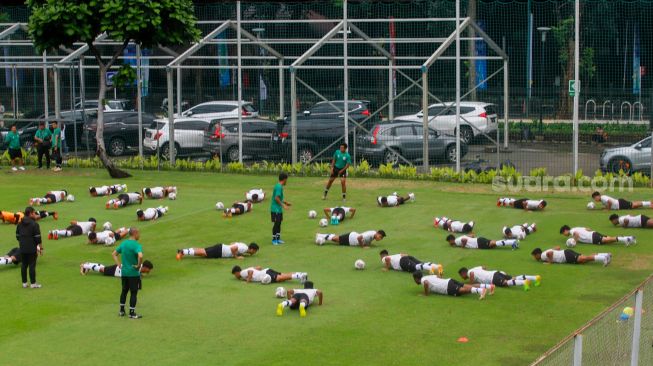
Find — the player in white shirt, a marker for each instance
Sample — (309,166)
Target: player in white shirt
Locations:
(150,214)
(487,278)
(353,238)
(639,221)
(340,213)
(113,270)
(266,275)
(158,192)
(238,208)
(13,256)
(300,299)
(453,226)
(522,203)
(471,242)
(587,236)
(76,228)
(234,250)
(448,286)
(107,237)
(518,231)
(255,195)
(610,203)
(394,200)
(107,190)
(50,197)
(125,199)
(556,255)
(407,263)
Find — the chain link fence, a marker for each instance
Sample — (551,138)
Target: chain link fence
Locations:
(312,73)
(620,335)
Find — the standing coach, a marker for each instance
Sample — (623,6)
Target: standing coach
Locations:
(28,234)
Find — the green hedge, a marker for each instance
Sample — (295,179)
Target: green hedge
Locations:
(567,128)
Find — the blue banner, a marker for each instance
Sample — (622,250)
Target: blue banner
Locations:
(637,76)
(481,65)
(223,52)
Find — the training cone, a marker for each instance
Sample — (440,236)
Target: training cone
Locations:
(463,340)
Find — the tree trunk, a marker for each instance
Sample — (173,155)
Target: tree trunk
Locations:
(99,134)
(564,109)
(471,51)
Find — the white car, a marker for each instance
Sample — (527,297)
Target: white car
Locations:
(482,116)
(221,109)
(189,135)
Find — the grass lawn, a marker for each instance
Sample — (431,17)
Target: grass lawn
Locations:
(196,312)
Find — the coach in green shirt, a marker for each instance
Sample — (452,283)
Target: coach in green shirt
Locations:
(12,139)
(131,254)
(56,145)
(339,163)
(276,208)
(43,140)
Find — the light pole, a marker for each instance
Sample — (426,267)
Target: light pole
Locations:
(258,32)
(543,31)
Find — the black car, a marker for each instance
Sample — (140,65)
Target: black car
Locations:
(120,131)
(260,139)
(359,111)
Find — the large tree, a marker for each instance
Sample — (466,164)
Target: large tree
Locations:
(56,23)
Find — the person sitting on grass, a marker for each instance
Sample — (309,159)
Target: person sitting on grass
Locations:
(107,237)
(522,204)
(588,236)
(353,238)
(266,275)
(610,203)
(518,231)
(12,257)
(394,200)
(339,213)
(113,270)
(556,255)
(50,197)
(448,286)
(158,192)
(238,208)
(234,250)
(150,214)
(639,221)
(107,190)
(487,278)
(300,299)
(76,228)
(16,217)
(453,226)
(407,263)
(255,195)
(471,242)
(125,199)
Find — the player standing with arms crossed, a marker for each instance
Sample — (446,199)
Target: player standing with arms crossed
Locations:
(339,163)
(276,208)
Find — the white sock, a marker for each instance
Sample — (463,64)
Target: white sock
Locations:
(646,203)
(189,252)
(485,285)
(423,266)
(4,261)
(285,303)
(622,239)
(516,282)
(328,236)
(505,243)
(296,275)
(600,257)
(60,232)
(477,290)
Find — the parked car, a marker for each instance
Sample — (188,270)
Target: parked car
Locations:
(630,159)
(111,105)
(390,140)
(220,110)
(120,131)
(259,139)
(482,116)
(358,109)
(189,136)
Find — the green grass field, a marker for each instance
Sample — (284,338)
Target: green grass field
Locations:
(195,312)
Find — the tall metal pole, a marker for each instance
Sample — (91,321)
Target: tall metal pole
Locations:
(576,82)
(179,90)
(293,115)
(637,328)
(281,91)
(425,119)
(578,350)
(457,86)
(46,107)
(240,84)
(391,106)
(171,119)
(139,100)
(345,64)
(57,97)
(82,98)
(506,99)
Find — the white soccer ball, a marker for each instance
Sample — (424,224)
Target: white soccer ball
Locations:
(312,214)
(411,196)
(266,280)
(107,226)
(571,242)
(219,206)
(280,292)
(172,196)
(591,206)
(359,264)
(324,223)
(70,198)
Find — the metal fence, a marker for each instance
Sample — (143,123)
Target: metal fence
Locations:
(319,73)
(620,335)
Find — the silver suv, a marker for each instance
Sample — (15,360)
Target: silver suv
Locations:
(636,157)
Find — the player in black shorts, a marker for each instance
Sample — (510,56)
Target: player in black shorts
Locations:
(300,299)
(340,161)
(238,208)
(486,277)
(12,256)
(49,198)
(233,250)
(628,221)
(609,202)
(408,263)
(274,276)
(556,255)
(447,286)
(339,212)
(74,229)
(86,267)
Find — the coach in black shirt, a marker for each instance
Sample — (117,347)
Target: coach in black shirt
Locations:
(28,234)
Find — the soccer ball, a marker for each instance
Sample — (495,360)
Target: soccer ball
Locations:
(571,242)
(359,264)
(590,205)
(280,292)
(219,206)
(70,198)
(107,226)
(312,214)
(411,196)
(266,280)
(324,222)
(172,196)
